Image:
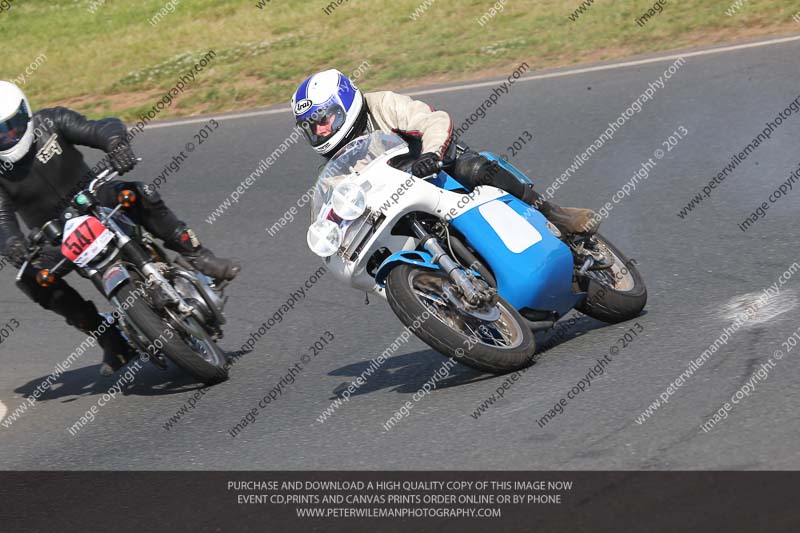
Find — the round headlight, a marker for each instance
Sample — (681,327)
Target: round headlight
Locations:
(349,201)
(324,238)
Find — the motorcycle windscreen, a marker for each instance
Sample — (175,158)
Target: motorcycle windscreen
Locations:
(355,157)
(533,268)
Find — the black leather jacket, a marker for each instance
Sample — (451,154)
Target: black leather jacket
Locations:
(40,186)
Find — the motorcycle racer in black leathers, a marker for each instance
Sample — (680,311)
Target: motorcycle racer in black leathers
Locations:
(41,170)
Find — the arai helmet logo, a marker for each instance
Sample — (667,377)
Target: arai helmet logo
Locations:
(302,106)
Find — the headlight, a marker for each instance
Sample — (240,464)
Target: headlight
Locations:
(349,201)
(324,238)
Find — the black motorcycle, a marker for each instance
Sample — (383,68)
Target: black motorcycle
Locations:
(166,309)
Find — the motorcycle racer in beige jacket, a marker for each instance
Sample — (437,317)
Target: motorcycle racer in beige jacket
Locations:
(332,111)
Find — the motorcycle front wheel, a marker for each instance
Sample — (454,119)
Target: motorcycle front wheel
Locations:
(419,299)
(191,349)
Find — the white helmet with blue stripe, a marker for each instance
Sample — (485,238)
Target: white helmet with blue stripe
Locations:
(330,110)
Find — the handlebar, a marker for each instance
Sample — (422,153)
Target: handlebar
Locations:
(447,163)
(34,249)
(103,178)
(37,237)
(444,164)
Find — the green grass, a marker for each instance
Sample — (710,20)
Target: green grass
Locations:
(115,62)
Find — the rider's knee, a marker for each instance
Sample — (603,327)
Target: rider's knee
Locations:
(473,169)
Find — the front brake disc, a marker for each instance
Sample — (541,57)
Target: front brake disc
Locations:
(487,314)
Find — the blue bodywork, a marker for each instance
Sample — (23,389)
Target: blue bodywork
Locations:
(538,278)
(408,257)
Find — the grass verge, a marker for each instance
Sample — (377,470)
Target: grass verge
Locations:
(105,57)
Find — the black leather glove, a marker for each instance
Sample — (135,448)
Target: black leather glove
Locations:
(15,250)
(121,156)
(426,165)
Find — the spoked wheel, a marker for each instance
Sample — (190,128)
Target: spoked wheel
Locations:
(615,293)
(199,341)
(189,347)
(495,339)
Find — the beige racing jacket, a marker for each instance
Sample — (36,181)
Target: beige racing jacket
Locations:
(396,113)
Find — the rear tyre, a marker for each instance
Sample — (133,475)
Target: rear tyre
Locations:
(197,353)
(418,299)
(613,294)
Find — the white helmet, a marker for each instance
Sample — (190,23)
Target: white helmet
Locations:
(16,123)
(330,110)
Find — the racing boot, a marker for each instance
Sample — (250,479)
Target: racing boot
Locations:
(185,242)
(568,220)
(116,352)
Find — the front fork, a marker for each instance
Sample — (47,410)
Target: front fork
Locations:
(474,296)
(144,262)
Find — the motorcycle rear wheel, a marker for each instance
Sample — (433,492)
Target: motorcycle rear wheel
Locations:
(613,294)
(498,347)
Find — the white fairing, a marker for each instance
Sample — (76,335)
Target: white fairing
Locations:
(10,98)
(392,193)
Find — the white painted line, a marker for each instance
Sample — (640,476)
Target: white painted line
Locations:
(3,411)
(612,66)
(549,75)
(206,118)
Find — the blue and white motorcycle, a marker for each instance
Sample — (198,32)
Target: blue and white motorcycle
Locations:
(472,273)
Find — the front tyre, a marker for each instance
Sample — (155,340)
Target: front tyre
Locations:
(195,352)
(614,294)
(418,298)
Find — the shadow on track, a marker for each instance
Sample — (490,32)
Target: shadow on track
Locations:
(85,381)
(406,374)
(567,329)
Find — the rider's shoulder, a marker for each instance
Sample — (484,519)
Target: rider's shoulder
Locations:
(55,113)
(381,96)
(375,97)
(55,110)
(387,100)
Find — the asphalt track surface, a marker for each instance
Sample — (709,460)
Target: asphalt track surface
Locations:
(695,270)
